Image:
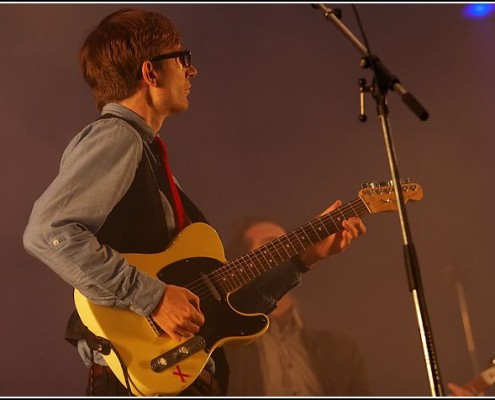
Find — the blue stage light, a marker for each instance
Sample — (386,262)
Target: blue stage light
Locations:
(478,10)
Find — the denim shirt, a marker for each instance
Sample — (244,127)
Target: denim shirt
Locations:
(96,170)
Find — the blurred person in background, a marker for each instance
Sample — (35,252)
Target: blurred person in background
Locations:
(290,358)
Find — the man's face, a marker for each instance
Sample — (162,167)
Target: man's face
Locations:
(175,84)
(262,233)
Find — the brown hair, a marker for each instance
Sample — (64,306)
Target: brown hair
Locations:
(112,54)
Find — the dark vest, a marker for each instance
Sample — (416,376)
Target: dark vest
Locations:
(137,225)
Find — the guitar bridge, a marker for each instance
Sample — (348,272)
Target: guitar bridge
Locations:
(178,353)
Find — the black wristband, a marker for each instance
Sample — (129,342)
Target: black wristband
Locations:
(301,266)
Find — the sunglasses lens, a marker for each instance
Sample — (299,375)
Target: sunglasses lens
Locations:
(186,60)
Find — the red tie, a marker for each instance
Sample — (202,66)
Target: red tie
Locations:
(180,215)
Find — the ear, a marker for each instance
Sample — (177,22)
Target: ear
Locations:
(149,74)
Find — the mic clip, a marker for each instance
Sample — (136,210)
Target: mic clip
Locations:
(362,90)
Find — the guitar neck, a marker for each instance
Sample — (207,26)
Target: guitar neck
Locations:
(243,270)
(482,381)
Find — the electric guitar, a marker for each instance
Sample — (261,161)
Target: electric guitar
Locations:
(147,360)
(481,382)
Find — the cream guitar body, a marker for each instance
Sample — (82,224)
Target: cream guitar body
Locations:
(192,257)
(148,361)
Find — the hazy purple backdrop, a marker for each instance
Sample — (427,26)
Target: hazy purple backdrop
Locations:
(273,128)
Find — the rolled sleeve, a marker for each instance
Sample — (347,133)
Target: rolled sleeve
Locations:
(96,171)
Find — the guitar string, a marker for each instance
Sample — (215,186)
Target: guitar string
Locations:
(202,290)
(358,203)
(299,235)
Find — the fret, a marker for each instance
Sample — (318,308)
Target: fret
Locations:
(308,238)
(234,278)
(285,247)
(267,255)
(355,213)
(337,228)
(312,233)
(219,282)
(255,262)
(320,221)
(244,275)
(231,277)
(249,266)
(340,219)
(299,237)
(294,249)
(318,231)
(272,244)
(262,261)
(365,207)
(267,260)
(225,281)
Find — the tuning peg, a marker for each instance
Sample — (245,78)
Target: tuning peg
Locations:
(365,185)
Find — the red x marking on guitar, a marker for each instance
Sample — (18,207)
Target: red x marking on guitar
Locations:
(180,374)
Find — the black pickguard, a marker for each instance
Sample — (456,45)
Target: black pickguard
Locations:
(221,320)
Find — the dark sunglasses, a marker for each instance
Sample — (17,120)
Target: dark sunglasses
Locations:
(184,57)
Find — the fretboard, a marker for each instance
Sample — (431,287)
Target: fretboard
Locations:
(239,272)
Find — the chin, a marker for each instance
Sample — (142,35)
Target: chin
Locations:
(182,107)
(178,110)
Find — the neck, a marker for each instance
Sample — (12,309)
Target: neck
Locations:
(283,313)
(153,118)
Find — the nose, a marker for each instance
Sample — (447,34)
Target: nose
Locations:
(191,71)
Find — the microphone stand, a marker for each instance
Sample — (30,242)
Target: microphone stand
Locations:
(382,81)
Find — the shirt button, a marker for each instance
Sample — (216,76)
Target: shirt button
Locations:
(56,242)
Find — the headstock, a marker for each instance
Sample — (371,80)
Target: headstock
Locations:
(380,196)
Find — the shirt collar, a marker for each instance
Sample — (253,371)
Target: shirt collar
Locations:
(121,111)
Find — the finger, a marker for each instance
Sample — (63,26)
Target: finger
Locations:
(362,228)
(185,322)
(193,299)
(189,326)
(336,204)
(346,240)
(183,330)
(196,316)
(358,223)
(183,333)
(355,226)
(354,229)
(172,333)
(350,229)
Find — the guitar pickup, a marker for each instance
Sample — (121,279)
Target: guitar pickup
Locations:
(178,353)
